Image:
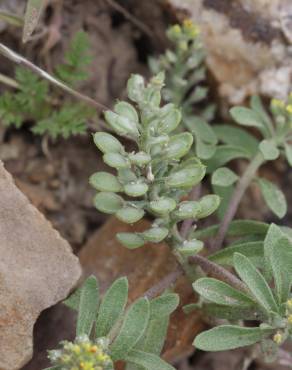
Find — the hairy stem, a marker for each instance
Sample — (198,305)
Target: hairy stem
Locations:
(237,195)
(218,272)
(165,283)
(18,59)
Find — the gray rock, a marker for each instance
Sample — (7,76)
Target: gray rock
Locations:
(37,269)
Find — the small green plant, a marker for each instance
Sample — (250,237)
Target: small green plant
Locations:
(35,102)
(107,331)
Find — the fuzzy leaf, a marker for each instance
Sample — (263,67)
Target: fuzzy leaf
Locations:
(257,106)
(253,250)
(31,18)
(227,337)
(288,153)
(208,205)
(133,327)
(186,177)
(129,214)
(107,143)
(116,160)
(108,202)
(255,282)
(187,209)
(191,247)
(105,181)
(136,189)
(225,154)
(221,293)
(121,124)
(88,306)
(147,361)
(274,197)
(155,234)
(224,177)
(73,300)
(126,110)
(112,307)
(233,312)
(162,206)
(246,117)
(179,145)
(170,120)
(130,240)
(201,129)
(269,150)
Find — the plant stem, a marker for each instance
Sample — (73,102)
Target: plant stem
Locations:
(217,271)
(9,81)
(165,283)
(237,195)
(18,59)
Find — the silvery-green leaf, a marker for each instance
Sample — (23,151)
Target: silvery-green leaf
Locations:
(105,181)
(140,159)
(233,312)
(170,120)
(179,145)
(191,247)
(203,150)
(135,88)
(121,124)
(107,143)
(253,250)
(274,197)
(130,214)
(73,300)
(208,205)
(246,117)
(224,177)
(201,129)
(155,234)
(126,175)
(224,154)
(111,307)
(288,153)
(237,137)
(227,337)
(126,110)
(187,209)
(269,150)
(257,106)
(130,240)
(108,202)
(136,189)
(116,160)
(163,305)
(147,361)
(236,228)
(187,177)
(162,206)
(224,193)
(255,282)
(217,291)
(132,329)
(88,305)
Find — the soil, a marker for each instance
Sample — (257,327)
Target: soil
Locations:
(54,175)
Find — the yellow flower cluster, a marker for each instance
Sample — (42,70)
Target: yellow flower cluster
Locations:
(82,354)
(188,31)
(278,338)
(276,103)
(191,29)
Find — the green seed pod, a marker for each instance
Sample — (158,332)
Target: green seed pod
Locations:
(121,124)
(187,209)
(130,240)
(209,204)
(108,202)
(116,160)
(162,206)
(129,214)
(191,247)
(136,88)
(186,177)
(105,181)
(136,189)
(140,159)
(107,143)
(126,110)
(155,234)
(179,145)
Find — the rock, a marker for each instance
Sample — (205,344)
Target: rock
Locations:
(247,43)
(37,269)
(107,259)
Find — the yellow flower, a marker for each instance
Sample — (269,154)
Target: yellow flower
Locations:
(93,349)
(278,338)
(289,303)
(88,365)
(188,23)
(290,319)
(176,29)
(76,349)
(278,103)
(289,108)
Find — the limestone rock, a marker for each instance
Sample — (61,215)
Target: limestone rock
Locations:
(247,43)
(37,269)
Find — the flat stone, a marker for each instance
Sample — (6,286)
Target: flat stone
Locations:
(37,269)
